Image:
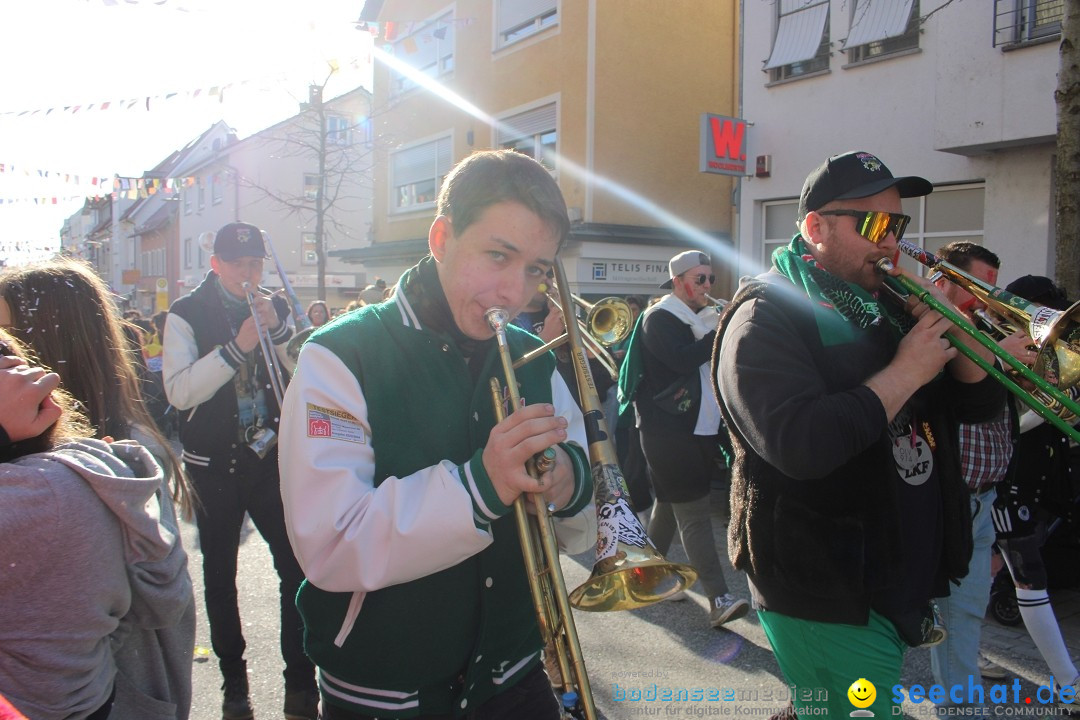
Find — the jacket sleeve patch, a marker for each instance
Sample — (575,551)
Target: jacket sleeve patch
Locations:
(336,424)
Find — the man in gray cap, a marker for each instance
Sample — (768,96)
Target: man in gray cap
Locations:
(679,422)
(217,378)
(848,510)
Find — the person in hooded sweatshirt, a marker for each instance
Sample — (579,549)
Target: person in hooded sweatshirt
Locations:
(85,549)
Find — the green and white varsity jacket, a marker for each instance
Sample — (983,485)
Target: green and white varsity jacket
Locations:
(416,599)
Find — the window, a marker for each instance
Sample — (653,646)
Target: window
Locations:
(217,189)
(518,19)
(187,253)
(416,173)
(308,252)
(1023,21)
(311,186)
(531,133)
(202,193)
(337,130)
(429,49)
(882,27)
(801,45)
(187,200)
(779,223)
(950,213)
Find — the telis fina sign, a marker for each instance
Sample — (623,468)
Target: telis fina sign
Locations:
(723,145)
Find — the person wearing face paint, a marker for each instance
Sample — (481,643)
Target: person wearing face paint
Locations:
(848,508)
(666,373)
(216,376)
(986,449)
(398,481)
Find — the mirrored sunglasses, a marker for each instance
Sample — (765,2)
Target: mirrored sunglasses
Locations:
(875,225)
(700,279)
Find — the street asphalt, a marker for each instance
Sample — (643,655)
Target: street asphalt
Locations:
(669,645)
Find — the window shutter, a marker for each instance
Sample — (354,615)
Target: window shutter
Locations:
(799,32)
(526,124)
(878,20)
(515,12)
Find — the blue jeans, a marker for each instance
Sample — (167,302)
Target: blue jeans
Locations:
(957,658)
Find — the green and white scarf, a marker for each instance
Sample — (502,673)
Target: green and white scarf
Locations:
(834,299)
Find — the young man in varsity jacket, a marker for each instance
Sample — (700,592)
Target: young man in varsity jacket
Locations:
(398,482)
(216,376)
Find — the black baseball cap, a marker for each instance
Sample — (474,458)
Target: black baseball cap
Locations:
(854,174)
(237,240)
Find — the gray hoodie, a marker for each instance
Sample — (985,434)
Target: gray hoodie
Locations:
(86,562)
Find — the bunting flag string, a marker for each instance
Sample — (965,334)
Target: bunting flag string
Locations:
(202,93)
(131,188)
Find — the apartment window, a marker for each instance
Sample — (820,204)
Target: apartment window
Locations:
(337,130)
(882,27)
(202,193)
(187,200)
(308,252)
(519,19)
(779,223)
(950,213)
(429,49)
(187,253)
(1017,22)
(311,186)
(217,189)
(416,173)
(531,133)
(801,44)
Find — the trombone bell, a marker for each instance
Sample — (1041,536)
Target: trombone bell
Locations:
(629,571)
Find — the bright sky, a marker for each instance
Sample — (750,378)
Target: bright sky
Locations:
(66,53)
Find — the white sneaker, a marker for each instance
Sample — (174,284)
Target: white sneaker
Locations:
(726,608)
(991,670)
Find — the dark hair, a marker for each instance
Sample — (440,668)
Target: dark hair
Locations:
(962,253)
(326,310)
(64,311)
(489,177)
(72,425)
(158,321)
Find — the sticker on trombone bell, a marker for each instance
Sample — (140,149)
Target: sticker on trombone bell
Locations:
(616,523)
(1041,323)
(336,424)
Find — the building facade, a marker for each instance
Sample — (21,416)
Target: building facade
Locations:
(959,93)
(608,94)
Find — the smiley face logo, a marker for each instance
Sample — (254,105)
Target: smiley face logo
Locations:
(862,694)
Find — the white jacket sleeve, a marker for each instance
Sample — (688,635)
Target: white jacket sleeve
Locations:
(190,380)
(577,533)
(347,534)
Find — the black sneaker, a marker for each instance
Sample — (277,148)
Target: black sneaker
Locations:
(237,705)
(301,704)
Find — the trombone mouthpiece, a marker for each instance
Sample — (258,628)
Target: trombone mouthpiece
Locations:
(884,265)
(542,287)
(497,317)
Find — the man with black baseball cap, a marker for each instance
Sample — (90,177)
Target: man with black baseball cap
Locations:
(216,376)
(848,510)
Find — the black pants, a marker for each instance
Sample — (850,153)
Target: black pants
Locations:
(224,497)
(530,699)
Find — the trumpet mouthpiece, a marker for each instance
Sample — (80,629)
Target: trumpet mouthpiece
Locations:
(542,287)
(884,265)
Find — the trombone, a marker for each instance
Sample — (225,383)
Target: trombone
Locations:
(1055,333)
(629,571)
(608,322)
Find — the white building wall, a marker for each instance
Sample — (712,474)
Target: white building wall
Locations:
(958,110)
